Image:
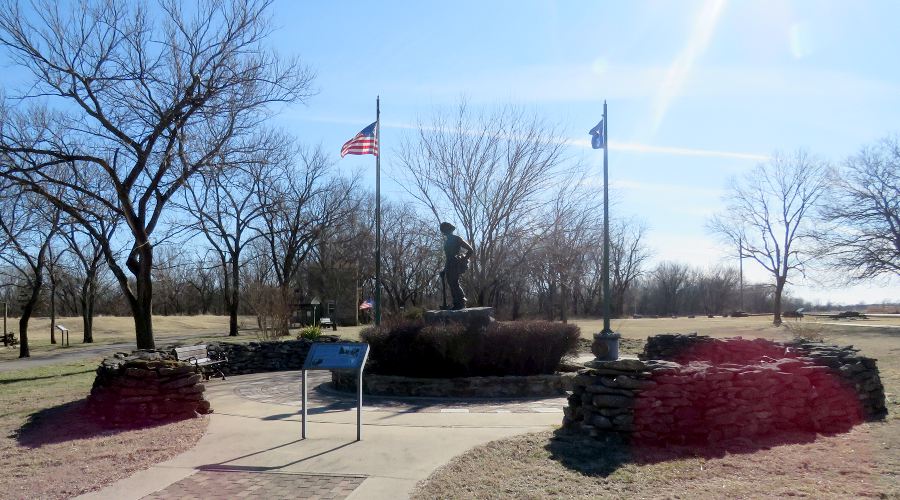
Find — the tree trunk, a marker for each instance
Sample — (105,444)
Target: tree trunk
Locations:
(235,300)
(27,309)
(516,305)
(142,305)
(23,332)
(88,292)
(779,287)
(52,312)
(87,319)
(619,303)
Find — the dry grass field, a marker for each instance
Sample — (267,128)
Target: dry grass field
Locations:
(120,330)
(864,463)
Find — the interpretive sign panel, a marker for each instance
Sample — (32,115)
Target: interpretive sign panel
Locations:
(336,356)
(349,356)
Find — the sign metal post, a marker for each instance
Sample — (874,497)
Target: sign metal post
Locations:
(336,356)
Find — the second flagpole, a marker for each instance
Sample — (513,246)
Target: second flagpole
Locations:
(378,211)
(606,297)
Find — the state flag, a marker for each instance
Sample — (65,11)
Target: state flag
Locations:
(597,139)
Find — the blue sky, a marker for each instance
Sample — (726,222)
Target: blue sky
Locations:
(698,91)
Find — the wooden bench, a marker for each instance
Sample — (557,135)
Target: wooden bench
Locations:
(198,356)
(328,323)
(9,339)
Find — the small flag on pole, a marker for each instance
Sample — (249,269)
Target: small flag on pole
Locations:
(366,305)
(597,139)
(365,143)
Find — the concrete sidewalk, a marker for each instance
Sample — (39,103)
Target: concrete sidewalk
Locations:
(254,448)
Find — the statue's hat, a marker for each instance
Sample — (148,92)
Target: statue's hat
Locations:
(447,227)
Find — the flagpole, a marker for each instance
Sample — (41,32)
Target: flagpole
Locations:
(741,260)
(606,328)
(378,211)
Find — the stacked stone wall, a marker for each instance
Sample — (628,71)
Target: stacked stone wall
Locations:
(714,389)
(265,356)
(146,387)
(858,372)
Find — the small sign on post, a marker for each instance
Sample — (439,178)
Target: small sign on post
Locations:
(63,336)
(344,356)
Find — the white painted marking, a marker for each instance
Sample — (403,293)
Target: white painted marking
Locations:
(454,410)
(547,410)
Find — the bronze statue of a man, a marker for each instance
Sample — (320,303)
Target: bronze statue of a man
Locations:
(457,253)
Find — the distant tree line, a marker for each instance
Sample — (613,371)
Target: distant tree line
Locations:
(138,176)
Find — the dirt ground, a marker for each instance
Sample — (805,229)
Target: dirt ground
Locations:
(864,463)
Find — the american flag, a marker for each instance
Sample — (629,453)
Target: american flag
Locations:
(365,143)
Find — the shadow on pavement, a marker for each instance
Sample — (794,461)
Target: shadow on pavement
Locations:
(223,466)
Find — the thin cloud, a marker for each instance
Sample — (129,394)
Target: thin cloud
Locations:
(659,188)
(632,147)
(636,147)
(681,67)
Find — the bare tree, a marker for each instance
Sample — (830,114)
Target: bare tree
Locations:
(628,255)
(171,271)
(27,230)
(411,259)
(716,288)
(573,222)
(863,212)
(487,173)
(305,200)
(87,253)
(670,279)
(146,102)
(769,212)
(227,203)
(54,268)
(203,278)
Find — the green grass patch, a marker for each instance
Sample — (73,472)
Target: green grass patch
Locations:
(23,392)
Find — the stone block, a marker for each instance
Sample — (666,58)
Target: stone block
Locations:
(471,318)
(621,365)
(612,401)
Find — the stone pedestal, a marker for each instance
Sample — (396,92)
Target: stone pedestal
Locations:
(606,346)
(472,317)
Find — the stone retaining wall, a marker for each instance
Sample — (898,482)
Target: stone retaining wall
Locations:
(716,389)
(146,387)
(463,387)
(857,372)
(265,356)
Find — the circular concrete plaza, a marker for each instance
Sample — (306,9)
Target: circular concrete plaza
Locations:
(283,388)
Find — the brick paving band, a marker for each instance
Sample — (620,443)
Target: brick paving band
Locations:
(239,484)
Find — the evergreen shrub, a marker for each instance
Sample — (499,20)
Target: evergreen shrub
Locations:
(412,349)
